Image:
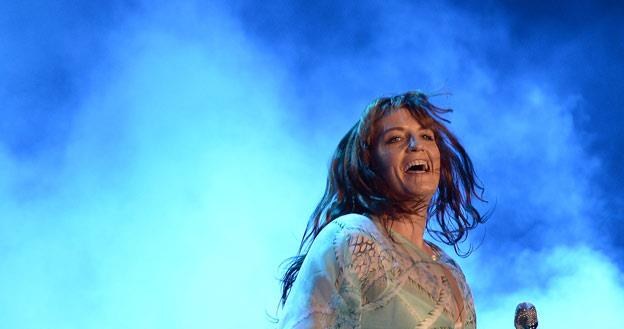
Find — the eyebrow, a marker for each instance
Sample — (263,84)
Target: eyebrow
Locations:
(401,128)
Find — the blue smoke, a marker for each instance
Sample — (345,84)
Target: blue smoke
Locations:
(158,161)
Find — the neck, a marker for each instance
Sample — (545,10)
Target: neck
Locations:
(411,227)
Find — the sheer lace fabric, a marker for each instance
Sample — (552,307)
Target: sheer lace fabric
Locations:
(355,276)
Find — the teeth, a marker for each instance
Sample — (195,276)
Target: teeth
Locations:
(416,163)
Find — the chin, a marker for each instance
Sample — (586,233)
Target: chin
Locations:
(421,194)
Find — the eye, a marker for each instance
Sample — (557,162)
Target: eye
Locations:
(428,137)
(394,139)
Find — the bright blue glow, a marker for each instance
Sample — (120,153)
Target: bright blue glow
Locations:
(158,161)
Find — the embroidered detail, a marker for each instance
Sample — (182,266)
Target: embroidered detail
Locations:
(371,275)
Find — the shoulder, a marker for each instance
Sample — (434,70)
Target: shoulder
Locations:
(347,230)
(353,223)
(348,237)
(360,245)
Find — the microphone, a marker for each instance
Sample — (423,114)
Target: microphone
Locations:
(526,316)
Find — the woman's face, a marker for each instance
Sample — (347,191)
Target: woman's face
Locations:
(406,156)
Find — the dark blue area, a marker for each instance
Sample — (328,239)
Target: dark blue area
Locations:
(593,69)
(578,45)
(306,35)
(48,51)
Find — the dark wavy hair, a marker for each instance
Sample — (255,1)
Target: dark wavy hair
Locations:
(353,186)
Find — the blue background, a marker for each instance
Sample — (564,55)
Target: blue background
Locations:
(159,159)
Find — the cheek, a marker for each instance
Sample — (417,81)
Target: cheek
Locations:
(382,166)
(382,163)
(379,158)
(435,155)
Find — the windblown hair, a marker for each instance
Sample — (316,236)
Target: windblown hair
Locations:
(353,186)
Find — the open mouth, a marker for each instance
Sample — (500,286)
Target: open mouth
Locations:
(417,167)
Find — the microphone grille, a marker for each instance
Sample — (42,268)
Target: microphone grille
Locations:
(526,316)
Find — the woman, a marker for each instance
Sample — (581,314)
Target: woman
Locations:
(363,262)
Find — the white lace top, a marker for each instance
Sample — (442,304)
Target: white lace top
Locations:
(355,276)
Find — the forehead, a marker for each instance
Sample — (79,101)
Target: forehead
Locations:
(401,118)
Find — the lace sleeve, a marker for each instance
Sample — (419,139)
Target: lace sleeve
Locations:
(326,293)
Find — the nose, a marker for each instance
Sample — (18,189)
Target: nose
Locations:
(413,144)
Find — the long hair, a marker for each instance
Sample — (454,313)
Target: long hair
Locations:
(353,186)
